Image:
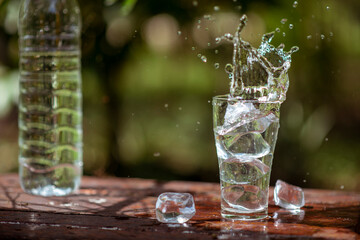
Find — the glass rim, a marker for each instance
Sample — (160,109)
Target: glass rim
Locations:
(227,98)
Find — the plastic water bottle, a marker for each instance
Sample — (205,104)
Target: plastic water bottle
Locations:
(50,104)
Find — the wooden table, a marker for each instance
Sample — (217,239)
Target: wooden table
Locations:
(117,208)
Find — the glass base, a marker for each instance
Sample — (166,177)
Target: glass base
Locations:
(50,191)
(233,215)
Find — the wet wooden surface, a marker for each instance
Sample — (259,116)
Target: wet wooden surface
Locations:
(115,208)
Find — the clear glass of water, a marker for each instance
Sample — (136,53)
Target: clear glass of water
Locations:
(245,135)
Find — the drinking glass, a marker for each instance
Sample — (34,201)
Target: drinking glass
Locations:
(245,136)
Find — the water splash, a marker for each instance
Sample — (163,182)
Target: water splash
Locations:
(258,73)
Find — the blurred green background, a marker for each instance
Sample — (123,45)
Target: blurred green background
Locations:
(150,69)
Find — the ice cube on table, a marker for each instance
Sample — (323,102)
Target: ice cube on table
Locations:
(175,207)
(288,196)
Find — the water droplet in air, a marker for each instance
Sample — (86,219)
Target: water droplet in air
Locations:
(281,46)
(229,68)
(327,7)
(216,65)
(331,34)
(203,58)
(166,105)
(65,11)
(198,27)
(199,21)
(193,48)
(216,51)
(180,108)
(209,44)
(309,37)
(207,17)
(283,21)
(284,34)
(291,26)
(322,36)
(295,4)
(216,8)
(199,55)
(234,0)
(198,122)
(342,187)
(195,3)
(294,49)
(277,30)
(179,33)
(157,154)
(229,36)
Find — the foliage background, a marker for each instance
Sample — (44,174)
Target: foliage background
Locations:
(147,94)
